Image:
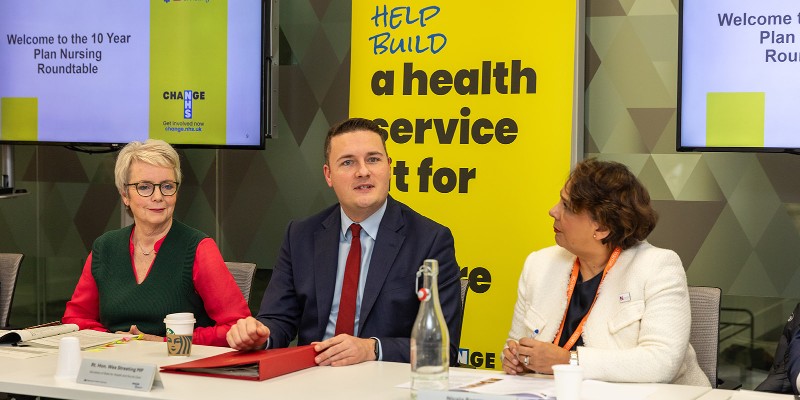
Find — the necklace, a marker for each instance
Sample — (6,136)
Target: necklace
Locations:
(146,253)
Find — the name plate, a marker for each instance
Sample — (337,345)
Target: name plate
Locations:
(122,375)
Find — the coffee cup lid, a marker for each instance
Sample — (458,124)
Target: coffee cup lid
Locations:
(179,321)
(180,317)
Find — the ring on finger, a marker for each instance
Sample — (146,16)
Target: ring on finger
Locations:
(525,361)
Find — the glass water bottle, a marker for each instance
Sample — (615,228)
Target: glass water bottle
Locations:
(430,339)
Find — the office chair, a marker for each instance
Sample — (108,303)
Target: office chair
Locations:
(704,336)
(243,275)
(464,282)
(9,271)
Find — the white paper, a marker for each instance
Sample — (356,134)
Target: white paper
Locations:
(539,387)
(87,338)
(35,333)
(511,385)
(499,384)
(21,353)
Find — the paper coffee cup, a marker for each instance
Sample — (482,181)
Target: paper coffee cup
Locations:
(180,328)
(569,379)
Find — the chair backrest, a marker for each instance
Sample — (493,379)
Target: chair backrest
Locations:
(704,336)
(243,275)
(464,282)
(464,289)
(9,271)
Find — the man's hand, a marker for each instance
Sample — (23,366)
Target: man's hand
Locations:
(247,334)
(344,350)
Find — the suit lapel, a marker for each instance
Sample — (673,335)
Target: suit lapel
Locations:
(387,246)
(326,251)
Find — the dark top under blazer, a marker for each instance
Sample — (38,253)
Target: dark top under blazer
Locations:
(298,299)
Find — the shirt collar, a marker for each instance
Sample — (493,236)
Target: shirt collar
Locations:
(369,225)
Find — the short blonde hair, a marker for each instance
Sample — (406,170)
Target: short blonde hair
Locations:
(152,151)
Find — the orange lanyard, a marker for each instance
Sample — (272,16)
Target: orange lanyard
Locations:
(573,280)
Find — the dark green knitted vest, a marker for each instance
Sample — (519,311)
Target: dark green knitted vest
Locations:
(167,289)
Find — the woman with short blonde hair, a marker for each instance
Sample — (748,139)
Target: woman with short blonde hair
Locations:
(136,275)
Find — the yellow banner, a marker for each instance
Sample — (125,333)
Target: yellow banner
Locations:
(188,55)
(478,99)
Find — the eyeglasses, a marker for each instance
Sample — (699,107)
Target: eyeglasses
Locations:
(146,189)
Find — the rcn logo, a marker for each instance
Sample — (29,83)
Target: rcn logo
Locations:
(476,358)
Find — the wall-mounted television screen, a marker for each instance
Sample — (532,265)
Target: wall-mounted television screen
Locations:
(99,72)
(738,81)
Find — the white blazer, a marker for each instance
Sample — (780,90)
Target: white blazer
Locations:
(638,330)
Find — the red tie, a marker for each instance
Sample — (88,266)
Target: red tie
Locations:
(352,269)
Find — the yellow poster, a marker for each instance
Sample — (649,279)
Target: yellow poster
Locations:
(477,98)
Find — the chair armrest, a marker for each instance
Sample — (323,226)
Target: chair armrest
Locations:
(730,385)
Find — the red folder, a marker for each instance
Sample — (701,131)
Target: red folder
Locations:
(250,365)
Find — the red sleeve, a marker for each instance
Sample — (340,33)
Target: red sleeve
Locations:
(84,308)
(221,296)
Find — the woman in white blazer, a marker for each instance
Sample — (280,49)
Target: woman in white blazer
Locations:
(604,297)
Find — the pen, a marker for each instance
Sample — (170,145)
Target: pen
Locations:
(534,333)
(54,323)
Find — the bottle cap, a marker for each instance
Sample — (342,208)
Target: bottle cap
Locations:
(423,294)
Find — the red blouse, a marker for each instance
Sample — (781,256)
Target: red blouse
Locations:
(213,281)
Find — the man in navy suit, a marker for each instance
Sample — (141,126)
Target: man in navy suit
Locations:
(303,295)
(782,377)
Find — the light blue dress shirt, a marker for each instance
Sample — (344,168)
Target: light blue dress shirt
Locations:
(369,234)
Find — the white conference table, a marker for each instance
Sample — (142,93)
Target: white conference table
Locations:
(722,394)
(370,380)
(34,376)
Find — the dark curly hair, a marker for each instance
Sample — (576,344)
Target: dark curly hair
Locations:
(613,197)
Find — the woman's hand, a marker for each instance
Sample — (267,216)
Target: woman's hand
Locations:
(511,364)
(539,356)
(135,331)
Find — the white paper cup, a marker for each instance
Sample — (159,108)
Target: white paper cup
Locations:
(69,359)
(568,381)
(180,328)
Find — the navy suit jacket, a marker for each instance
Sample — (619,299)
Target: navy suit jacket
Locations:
(782,377)
(298,299)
